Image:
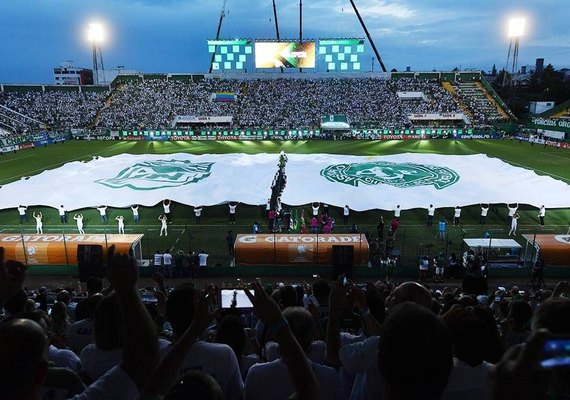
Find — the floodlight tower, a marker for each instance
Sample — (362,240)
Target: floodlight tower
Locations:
(515,31)
(95,36)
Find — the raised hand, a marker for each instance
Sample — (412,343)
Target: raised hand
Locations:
(122,271)
(12,275)
(263,305)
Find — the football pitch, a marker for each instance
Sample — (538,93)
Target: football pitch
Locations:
(414,237)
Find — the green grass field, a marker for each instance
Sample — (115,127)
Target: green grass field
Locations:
(184,233)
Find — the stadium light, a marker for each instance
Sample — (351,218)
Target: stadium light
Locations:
(96,33)
(516,27)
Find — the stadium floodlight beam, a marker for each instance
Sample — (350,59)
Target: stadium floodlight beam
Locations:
(515,30)
(96,35)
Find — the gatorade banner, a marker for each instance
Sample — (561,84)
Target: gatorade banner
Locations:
(59,249)
(301,249)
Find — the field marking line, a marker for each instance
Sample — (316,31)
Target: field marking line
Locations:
(554,155)
(20,158)
(177,240)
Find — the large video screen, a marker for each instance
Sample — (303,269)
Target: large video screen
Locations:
(284,54)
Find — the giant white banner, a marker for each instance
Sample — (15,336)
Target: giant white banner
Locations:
(364,183)
(127,179)
(416,180)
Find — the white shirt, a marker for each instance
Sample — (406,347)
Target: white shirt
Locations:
(61,211)
(166,207)
(360,359)
(346,211)
(22,210)
(202,259)
(219,361)
(431,211)
(513,210)
(514,221)
(397,212)
(542,212)
(121,222)
(466,382)
(167,259)
(484,211)
(64,358)
(198,211)
(271,381)
(457,212)
(135,211)
(115,384)
(102,210)
(232,209)
(97,362)
(80,335)
(315,210)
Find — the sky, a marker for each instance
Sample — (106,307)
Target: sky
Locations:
(170,35)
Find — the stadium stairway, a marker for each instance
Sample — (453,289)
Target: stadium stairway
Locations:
(449,87)
(492,100)
(105,103)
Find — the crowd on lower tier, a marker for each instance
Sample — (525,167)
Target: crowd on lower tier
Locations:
(259,103)
(324,340)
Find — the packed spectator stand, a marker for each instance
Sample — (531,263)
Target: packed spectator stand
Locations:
(277,103)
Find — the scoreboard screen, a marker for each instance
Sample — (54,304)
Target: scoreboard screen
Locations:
(284,54)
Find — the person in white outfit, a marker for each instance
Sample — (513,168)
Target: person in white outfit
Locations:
(121,222)
(514,221)
(79,219)
(164,227)
(39,224)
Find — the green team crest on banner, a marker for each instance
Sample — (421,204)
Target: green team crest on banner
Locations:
(401,175)
(150,175)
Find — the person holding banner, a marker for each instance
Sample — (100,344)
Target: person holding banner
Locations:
(39,224)
(198,214)
(541,215)
(397,212)
(103,213)
(22,212)
(135,209)
(315,206)
(164,227)
(232,207)
(62,216)
(456,216)
(79,219)
(512,211)
(166,207)
(121,220)
(514,222)
(484,211)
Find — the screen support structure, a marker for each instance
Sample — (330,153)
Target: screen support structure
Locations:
(300,25)
(369,37)
(276,25)
(222,15)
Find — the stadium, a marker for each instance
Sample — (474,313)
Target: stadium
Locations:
(288,163)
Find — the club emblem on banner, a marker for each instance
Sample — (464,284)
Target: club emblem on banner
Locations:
(401,175)
(160,174)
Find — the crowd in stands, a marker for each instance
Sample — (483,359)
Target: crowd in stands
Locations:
(58,109)
(260,104)
(325,340)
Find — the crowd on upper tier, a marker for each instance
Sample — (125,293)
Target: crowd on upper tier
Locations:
(282,103)
(325,340)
